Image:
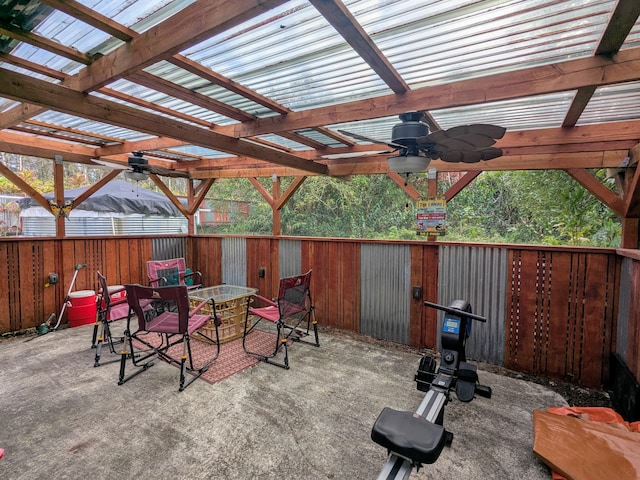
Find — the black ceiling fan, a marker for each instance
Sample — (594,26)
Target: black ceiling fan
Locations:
(416,147)
(138,168)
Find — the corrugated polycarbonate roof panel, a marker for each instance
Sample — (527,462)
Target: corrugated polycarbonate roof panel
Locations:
(541,111)
(161,99)
(181,77)
(88,126)
(613,103)
(140,15)
(292,55)
(201,151)
(440,41)
(6,105)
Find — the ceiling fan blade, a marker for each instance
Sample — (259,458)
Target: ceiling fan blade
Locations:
(165,172)
(469,156)
(356,154)
(491,153)
(357,136)
(433,138)
(115,166)
(493,131)
(451,156)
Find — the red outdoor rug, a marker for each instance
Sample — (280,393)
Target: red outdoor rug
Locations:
(232,357)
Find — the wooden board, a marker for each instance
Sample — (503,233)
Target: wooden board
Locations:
(582,450)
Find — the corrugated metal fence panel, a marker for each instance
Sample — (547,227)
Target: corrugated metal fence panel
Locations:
(385,291)
(289,258)
(624,305)
(169,247)
(477,275)
(234,261)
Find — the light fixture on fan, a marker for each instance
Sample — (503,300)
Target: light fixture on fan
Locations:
(136,176)
(408,163)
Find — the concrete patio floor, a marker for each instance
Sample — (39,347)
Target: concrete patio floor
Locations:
(61,418)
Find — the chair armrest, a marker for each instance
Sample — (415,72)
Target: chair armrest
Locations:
(199,307)
(154,281)
(268,301)
(195,276)
(119,301)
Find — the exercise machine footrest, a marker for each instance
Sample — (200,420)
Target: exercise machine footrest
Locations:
(409,435)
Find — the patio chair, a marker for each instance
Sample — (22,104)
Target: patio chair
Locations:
(102,329)
(292,307)
(172,272)
(164,321)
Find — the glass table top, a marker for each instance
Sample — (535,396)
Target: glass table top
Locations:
(222,293)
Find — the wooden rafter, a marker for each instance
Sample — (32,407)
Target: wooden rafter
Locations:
(34,67)
(632,187)
(199,194)
(170,195)
(561,76)
(24,186)
(91,17)
(95,187)
(196,22)
(45,44)
(291,189)
(404,184)
(457,187)
(620,24)
(169,88)
(152,106)
(262,191)
(21,87)
(344,22)
(189,65)
(597,189)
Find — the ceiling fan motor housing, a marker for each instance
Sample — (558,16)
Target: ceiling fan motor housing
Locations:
(406,132)
(136,161)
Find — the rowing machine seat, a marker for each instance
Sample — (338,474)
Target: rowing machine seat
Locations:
(409,435)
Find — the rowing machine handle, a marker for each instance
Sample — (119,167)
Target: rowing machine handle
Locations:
(455,311)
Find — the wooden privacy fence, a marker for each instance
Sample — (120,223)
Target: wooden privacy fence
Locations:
(552,310)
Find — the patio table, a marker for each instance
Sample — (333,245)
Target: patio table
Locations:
(231,303)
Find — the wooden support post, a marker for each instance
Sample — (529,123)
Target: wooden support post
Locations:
(277,216)
(630,236)
(432,191)
(58,185)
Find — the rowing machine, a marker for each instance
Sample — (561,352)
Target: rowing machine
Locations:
(416,438)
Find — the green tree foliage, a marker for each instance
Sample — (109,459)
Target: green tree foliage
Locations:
(536,207)
(539,207)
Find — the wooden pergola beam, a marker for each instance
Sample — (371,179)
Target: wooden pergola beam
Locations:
(598,190)
(24,186)
(93,18)
(620,23)
(339,16)
(22,88)
(562,76)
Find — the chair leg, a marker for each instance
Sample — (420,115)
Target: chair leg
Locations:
(186,355)
(302,333)
(105,336)
(96,362)
(95,334)
(183,371)
(281,344)
(125,354)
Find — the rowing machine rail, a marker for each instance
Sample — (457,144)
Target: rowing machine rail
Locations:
(416,438)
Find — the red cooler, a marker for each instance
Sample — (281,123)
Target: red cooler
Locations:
(82,308)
